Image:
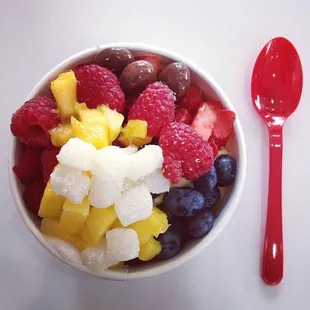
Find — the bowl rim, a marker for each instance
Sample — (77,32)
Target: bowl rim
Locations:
(231,205)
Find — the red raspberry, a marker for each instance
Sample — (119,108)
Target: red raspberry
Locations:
(33,195)
(155,105)
(29,169)
(192,100)
(189,149)
(49,161)
(31,122)
(223,127)
(97,85)
(172,168)
(183,116)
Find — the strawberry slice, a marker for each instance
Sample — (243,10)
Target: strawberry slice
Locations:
(192,100)
(154,60)
(214,147)
(183,116)
(223,127)
(204,120)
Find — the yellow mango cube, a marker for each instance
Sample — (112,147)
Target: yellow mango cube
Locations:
(115,121)
(91,132)
(99,221)
(149,249)
(61,134)
(135,133)
(51,203)
(117,224)
(50,227)
(80,243)
(85,114)
(64,91)
(155,224)
(73,217)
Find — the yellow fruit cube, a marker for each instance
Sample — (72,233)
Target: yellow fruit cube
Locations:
(80,243)
(135,133)
(73,217)
(91,132)
(51,203)
(64,91)
(149,249)
(50,227)
(117,224)
(99,221)
(61,134)
(115,121)
(155,224)
(90,115)
(120,265)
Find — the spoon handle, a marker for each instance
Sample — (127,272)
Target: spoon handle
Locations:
(273,246)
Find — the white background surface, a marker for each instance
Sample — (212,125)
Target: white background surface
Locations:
(223,37)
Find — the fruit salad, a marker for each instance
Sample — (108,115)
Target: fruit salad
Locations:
(125,161)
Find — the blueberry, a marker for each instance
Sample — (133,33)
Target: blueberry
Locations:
(184,201)
(226,170)
(212,196)
(207,181)
(170,242)
(200,224)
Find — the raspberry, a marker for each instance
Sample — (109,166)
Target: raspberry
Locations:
(192,155)
(223,127)
(182,115)
(49,161)
(31,122)
(33,195)
(172,168)
(97,85)
(155,105)
(29,169)
(192,100)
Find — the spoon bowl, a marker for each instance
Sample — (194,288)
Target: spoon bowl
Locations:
(277,81)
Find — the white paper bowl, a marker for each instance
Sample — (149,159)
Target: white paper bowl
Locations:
(236,148)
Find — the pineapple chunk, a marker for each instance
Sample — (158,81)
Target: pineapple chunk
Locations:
(155,224)
(61,134)
(50,227)
(64,91)
(115,121)
(51,203)
(149,250)
(99,222)
(135,133)
(73,217)
(90,115)
(117,224)
(91,132)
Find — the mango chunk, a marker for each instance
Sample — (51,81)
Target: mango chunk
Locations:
(135,133)
(73,217)
(155,224)
(115,121)
(91,132)
(149,249)
(61,134)
(98,222)
(50,227)
(64,91)
(51,203)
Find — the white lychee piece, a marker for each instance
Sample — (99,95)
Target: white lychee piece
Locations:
(122,244)
(77,154)
(70,183)
(104,193)
(156,182)
(134,205)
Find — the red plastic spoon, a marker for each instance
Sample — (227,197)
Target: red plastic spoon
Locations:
(276,90)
